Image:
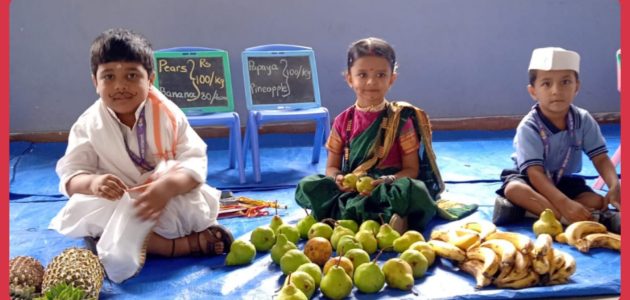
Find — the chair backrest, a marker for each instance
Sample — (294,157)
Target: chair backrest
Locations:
(197,79)
(618,55)
(280,76)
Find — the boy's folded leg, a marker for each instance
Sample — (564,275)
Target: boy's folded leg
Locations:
(83,215)
(505,212)
(612,220)
(122,247)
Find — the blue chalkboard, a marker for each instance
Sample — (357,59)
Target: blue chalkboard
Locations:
(280,77)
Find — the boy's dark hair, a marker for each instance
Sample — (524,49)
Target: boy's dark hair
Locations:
(533,74)
(371,47)
(120,44)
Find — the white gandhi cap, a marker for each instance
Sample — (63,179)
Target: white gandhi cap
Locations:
(553,58)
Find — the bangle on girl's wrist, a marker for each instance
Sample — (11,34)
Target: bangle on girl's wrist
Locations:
(389,179)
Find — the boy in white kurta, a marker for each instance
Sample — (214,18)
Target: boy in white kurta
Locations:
(134,169)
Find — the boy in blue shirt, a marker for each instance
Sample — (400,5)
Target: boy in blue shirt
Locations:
(548,143)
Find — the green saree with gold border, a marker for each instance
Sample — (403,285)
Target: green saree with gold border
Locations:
(414,198)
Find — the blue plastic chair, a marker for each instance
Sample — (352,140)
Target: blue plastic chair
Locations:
(258,117)
(231,120)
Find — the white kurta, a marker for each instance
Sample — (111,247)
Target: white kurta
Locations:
(96,146)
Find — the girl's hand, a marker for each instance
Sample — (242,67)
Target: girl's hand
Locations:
(339,181)
(108,186)
(375,183)
(151,199)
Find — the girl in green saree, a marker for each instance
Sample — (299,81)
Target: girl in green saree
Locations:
(388,141)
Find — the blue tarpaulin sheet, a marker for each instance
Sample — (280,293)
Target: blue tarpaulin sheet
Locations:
(470,163)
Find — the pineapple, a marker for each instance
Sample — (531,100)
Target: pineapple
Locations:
(63,291)
(78,268)
(25,277)
(18,292)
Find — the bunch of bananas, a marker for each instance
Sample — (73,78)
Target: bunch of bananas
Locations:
(585,235)
(505,259)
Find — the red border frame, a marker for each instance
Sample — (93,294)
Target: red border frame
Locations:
(4,141)
(625,128)
(4,146)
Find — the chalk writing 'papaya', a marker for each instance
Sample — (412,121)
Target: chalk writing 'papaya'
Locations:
(253,67)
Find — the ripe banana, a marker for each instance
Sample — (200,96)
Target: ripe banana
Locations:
(542,255)
(440,235)
(463,238)
(529,280)
(542,245)
(447,250)
(484,228)
(522,242)
(489,258)
(541,265)
(504,271)
(576,232)
(475,268)
(557,262)
(561,238)
(602,240)
(519,271)
(567,270)
(570,266)
(615,235)
(504,249)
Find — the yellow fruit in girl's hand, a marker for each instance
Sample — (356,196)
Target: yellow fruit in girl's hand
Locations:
(349,180)
(364,184)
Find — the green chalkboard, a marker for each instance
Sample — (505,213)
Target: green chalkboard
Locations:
(197,81)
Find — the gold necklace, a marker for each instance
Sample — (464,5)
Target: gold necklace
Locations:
(371,107)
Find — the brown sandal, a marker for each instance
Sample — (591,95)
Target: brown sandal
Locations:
(213,235)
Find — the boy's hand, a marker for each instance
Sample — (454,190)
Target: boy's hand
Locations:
(107,186)
(151,200)
(613,198)
(573,211)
